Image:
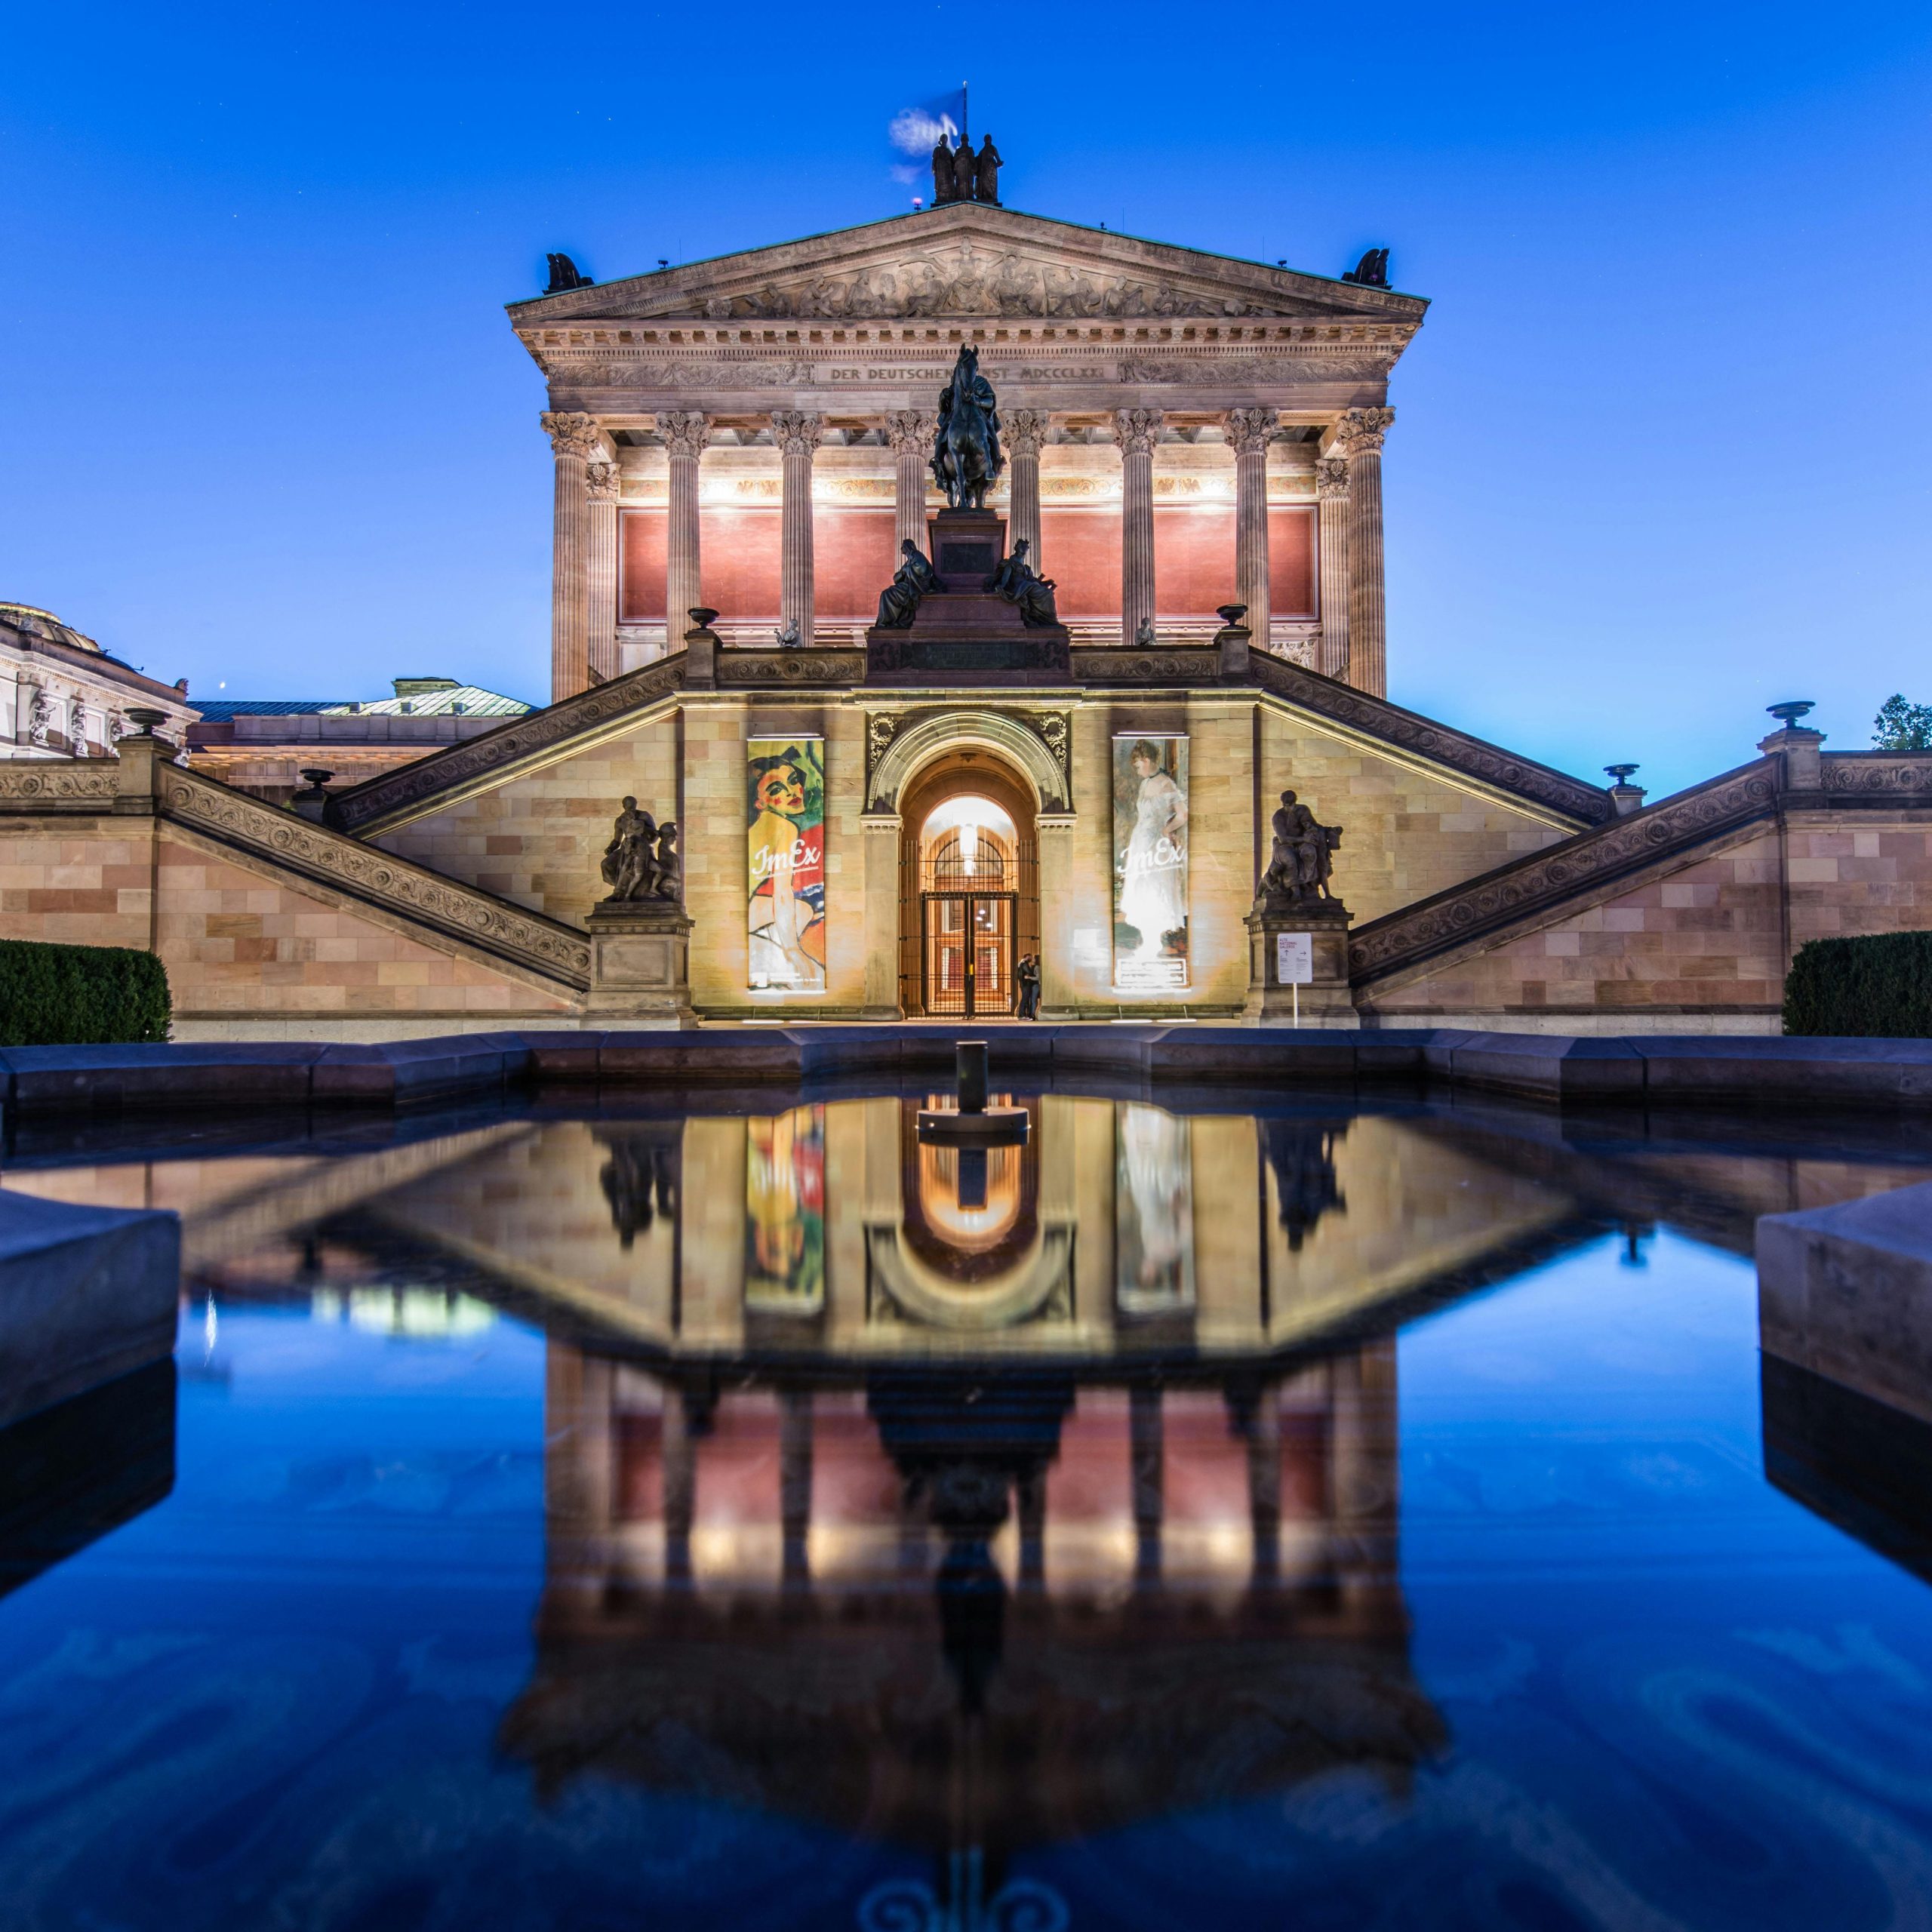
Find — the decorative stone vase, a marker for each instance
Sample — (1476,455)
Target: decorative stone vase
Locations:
(1274,999)
(640,963)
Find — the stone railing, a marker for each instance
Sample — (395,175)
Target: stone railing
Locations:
(445,775)
(809,665)
(1440,744)
(1882,778)
(557,952)
(1139,664)
(1486,909)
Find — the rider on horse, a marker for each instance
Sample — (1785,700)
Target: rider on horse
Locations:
(966,454)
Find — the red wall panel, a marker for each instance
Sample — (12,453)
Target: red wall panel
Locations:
(738,553)
(641,536)
(853,555)
(1291,560)
(1082,550)
(1194,558)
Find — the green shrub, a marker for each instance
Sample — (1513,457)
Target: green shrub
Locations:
(1882,985)
(80,995)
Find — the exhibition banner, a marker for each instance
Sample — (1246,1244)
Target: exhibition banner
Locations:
(1150,863)
(784,1212)
(784,803)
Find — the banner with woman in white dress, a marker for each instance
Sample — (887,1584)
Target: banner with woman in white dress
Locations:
(1150,863)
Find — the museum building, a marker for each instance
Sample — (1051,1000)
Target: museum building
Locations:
(1115,702)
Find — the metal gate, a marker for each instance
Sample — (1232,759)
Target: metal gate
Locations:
(966,952)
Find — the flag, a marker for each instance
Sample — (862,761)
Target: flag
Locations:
(913,131)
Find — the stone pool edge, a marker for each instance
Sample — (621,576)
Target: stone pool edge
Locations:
(1553,1068)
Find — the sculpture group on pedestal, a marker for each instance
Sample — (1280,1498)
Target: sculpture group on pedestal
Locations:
(641,862)
(1021,584)
(966,457)
(1300,859)
(961,175)
(899,602)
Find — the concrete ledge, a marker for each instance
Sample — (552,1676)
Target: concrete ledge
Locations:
(87,1294)
(1593,1070)
(1846,1293)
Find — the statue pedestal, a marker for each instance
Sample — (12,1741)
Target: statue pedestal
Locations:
(1274,999)
(640,963)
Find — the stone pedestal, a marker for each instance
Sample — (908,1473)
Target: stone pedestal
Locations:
(1325,1000)
(640,963)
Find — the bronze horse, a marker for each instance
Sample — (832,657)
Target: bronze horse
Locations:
(966,457)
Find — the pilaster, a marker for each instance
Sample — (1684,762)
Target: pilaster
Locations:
(1331,497)
(1137,431)
(1250,432)
(910,432)
(576,442)
(686,434)
(1024,430)
(601,487)
(796,433)
(1358,435)
(879,831)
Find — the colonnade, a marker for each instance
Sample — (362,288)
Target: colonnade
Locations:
(1348,495)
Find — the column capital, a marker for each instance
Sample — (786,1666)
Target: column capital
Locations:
(602,481)
(797,432)
(684,431)
(1138,430)
(572,433)
(909,431)
(1359,432)
(1331,480)
(1025,430)
(1251,430)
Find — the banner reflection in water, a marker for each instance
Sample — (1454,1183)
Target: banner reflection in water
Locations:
(784,1212)
(1153,1210)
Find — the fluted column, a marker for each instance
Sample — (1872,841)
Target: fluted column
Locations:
(685,433)
(1331,497)
(1137,431)
(909,431)
(1250,431)
(1024,431)
(1358,435)
(576,443)
(796,433)
(600,486)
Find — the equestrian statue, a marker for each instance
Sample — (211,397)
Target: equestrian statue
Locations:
(966,459)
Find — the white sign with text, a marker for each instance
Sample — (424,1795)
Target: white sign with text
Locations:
(1294,959)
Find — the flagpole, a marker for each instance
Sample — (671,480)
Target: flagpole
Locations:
(966,113)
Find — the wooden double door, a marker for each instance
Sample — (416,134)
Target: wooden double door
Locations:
(967,952)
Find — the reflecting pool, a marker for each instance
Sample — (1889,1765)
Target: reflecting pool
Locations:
(1212,1513)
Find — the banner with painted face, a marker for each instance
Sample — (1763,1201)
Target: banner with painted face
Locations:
(784,1212)
(1150,863)
(785,801)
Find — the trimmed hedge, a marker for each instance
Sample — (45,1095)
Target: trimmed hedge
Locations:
(80,995)
(1881,985)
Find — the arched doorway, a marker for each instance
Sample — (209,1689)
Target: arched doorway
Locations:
(969,888)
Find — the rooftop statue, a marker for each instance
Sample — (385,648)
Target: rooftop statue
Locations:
(986,172)
(945,179)
(899,600)
(1019,583)
(966,457)
(1372,271)
(564,274)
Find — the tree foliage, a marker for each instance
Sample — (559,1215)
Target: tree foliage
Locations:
(1879,985)
(1902,726)
(80,995)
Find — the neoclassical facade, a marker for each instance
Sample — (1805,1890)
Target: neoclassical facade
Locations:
(882,824)
(1182,431)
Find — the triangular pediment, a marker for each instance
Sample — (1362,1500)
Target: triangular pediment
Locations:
(968,260)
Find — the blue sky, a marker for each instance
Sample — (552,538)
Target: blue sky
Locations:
(1663,454)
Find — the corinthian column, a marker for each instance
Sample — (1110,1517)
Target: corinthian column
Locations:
(576,442)
(1358,435)
(796,432)
(685,433)
(1025,430)
(910,433)
(1137,430)
(1250,431)
(600,486)
(1331,497)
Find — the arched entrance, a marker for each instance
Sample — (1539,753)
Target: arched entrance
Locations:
(969,887)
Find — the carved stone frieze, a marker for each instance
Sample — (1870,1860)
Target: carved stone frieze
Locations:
(1485,908)
(881,727)
(898,743)
(601,482)
(499,751)
(1331,479)
(1112,665)
(791,667)
(36,784)
(364,872)
(1587,804)
(1878,774)
(1054,729)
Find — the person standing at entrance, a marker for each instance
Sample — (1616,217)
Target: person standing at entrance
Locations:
(1028,973)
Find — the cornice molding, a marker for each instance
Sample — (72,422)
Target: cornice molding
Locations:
(1456,752)
(1902,775)
(1486,912)
(538,738)
(790,667)
(420,898)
